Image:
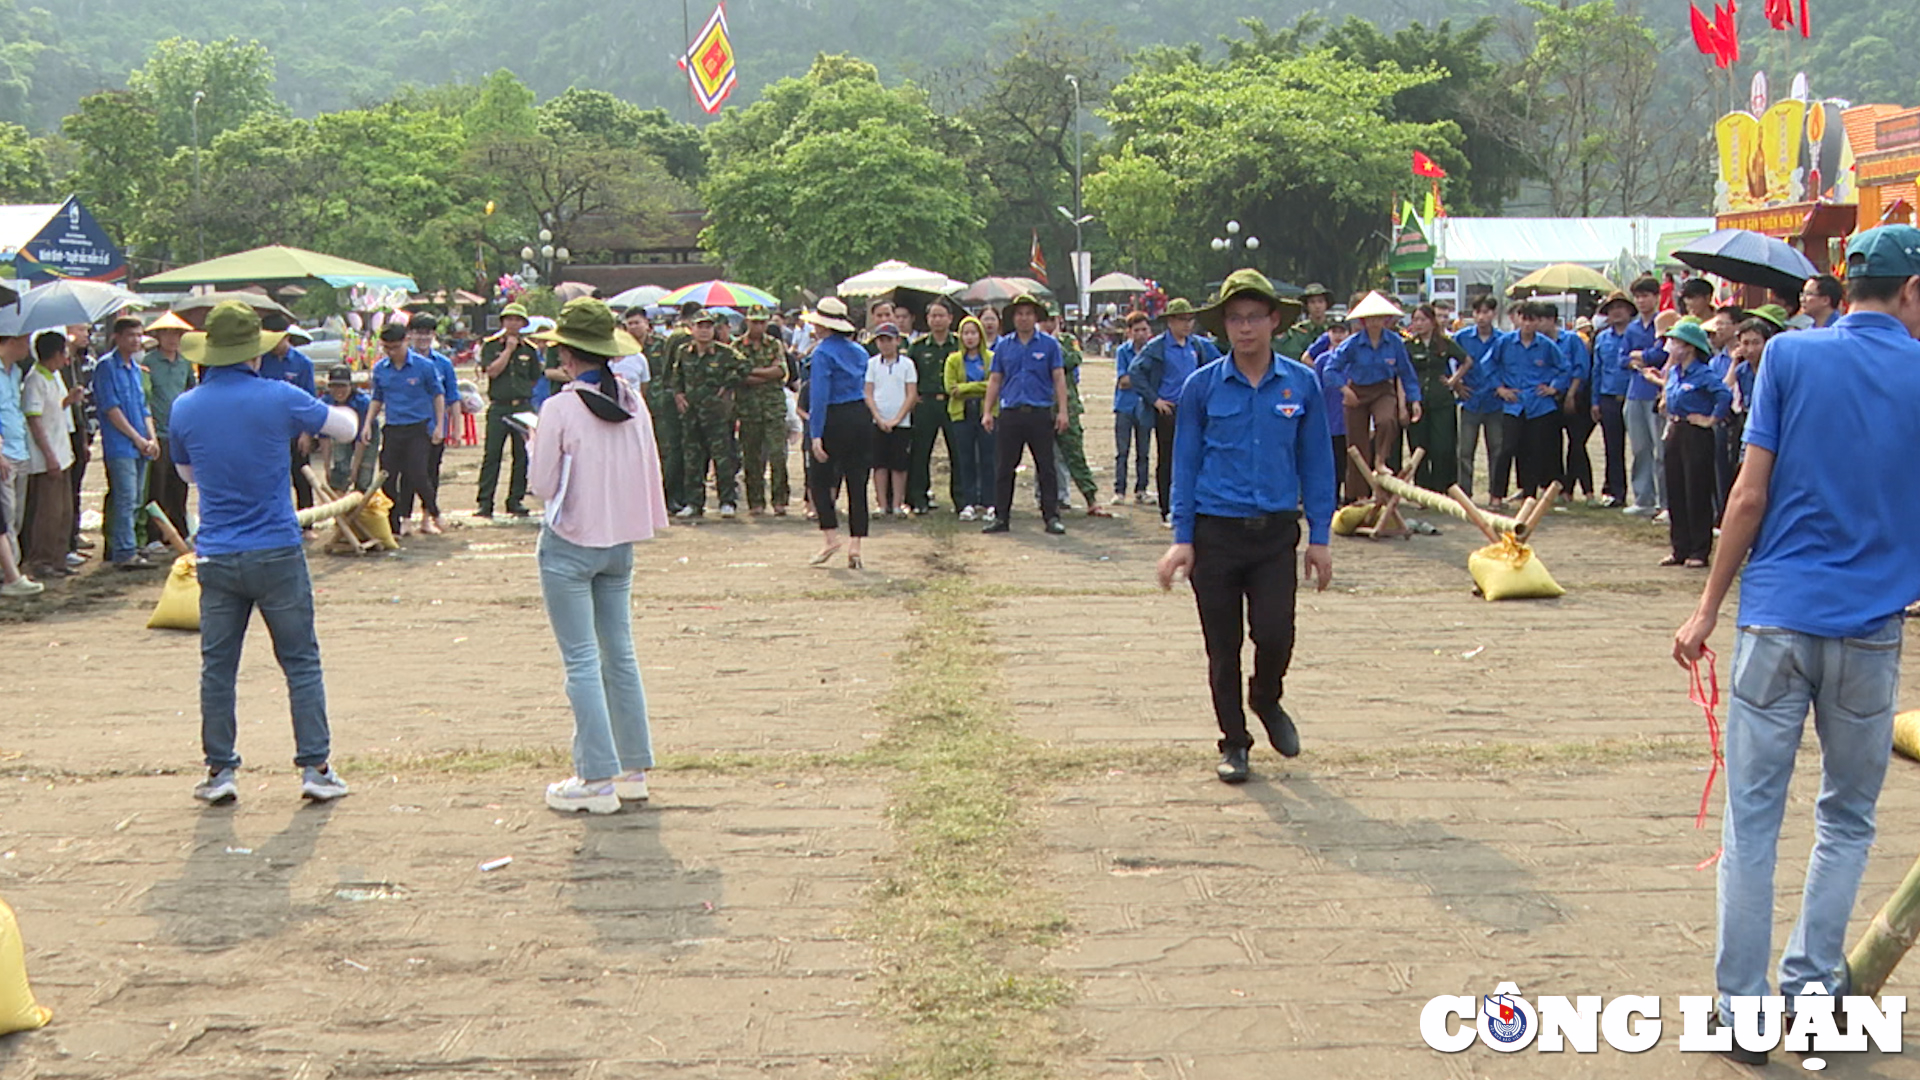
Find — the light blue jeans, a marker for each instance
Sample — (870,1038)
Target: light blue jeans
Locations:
(588,593)
(126,493)
(1850,685)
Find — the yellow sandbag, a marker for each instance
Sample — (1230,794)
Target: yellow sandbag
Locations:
(1906,734)
(1348,519)
(179,606)
(372,519)
(1509,570)
(18,1010)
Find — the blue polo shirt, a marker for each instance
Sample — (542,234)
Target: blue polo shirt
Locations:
(233,429)
(1579,358)
(1524,368)
(1640,337)
(293,368)
(1360,362)
(1611,375)
(1481,382)
(1241,450)
(449,377)
(836,375)
(406,393)
(1179,360)
(1124,401)
(1026,369)
(1835,556)
(116,384)
(1697,388)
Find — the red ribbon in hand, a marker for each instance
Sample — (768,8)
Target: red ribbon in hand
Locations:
(1706,694)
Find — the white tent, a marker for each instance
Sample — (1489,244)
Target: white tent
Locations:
(1497,251)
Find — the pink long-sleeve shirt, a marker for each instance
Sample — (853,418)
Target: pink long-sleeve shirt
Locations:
(614,492)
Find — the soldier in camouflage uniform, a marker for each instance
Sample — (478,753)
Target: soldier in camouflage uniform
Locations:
(1071,445)
(1314,301)
(668,425)
(706,376)
(762,405)
(513,364)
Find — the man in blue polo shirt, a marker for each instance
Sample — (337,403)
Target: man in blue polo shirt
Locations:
(421,329)
(407,393)
(1481,409)
(229,438)
(1251,458)
(286,363)
(1158,372)
(1026,406)
(1611,379)
(126,439)
(1644,353)
(1534,375)
(1829,507)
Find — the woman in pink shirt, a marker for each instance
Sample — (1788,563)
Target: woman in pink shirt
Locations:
(596,467)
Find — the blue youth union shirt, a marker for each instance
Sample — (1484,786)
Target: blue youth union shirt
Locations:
(1611,375)
(233,430)
(116,384)
(1241,450)
(406,392)
(1026,369)
(1839,547)
(1482,382)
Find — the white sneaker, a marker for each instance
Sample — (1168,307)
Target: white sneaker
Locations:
(1662,518)
(726,510)
(25,586)
(76,560)
(968,514)
(321,785)
(632,787)
(156,549)
(684,512)
(573,794)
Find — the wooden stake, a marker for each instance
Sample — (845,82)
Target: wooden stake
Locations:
(158,518)
(1532,518)
(1473,513)
(1888,937)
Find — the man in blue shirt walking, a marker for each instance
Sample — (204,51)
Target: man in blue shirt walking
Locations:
(1251,459)
(1829,507)
(1160,368)
(1026,406)
(1132,420)
(420,338)
(126,438)
(407,393)
(229,438)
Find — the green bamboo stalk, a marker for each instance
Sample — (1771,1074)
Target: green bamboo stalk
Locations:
(1888,937)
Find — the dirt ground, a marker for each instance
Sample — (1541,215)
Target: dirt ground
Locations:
(1489,792)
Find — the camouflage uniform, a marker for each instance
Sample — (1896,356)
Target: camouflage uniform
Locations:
(1294,341)
(763,423)
(667,422)
(709,381)
(1071,443)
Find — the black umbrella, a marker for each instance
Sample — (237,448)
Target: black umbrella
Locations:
(1749,258)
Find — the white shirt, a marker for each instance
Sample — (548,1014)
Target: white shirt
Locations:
(41,396)
(890,382)
(634,369)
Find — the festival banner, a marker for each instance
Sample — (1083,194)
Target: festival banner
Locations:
(709,62)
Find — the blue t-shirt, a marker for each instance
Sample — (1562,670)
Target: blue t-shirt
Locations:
(116,384)
(1026,369)
(449,377)
(1838,550)
(233,429)
(406,393)
(13,422)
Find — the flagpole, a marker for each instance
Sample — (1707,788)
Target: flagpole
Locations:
(686,35)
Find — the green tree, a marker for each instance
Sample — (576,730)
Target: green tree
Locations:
(235,78)
(115,135)
(24,173)
(503,111)
(831,173)
(1301,151)
(598,115)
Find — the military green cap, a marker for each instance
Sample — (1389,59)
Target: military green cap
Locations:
(1314,288)
(1772,313)
(516,311)
(706,315)
(1244,284)
(588,324)
(233,336)
(1180,305)
(758,313)
(1027,300)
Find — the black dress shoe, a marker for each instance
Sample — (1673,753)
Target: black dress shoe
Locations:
(998,527)
(1233,765)
(484,512)
(1737,1052)
(1056,527)
(519,511)
(1280,730)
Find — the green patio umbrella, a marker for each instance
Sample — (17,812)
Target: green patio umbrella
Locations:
(277,263)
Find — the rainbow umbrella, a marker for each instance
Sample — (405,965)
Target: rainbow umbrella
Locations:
(719,294)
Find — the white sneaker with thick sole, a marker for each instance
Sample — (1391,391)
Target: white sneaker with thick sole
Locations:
(968,514)
(574,794)
(321,785)
(23,586)
(727,510)
(632,787)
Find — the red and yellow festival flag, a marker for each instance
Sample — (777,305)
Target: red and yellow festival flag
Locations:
(709,62)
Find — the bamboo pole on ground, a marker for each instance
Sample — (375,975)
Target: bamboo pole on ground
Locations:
(1442,504)
(1891,933)
(337,509)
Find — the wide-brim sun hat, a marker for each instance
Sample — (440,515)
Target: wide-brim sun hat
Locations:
(1026,300)
(1691,332)
(589,325)
(1246,284)
(170,321)
(233,336)
(1375,303)
(832,314)
(1613,298)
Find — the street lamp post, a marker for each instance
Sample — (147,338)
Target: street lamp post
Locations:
(1078,215)
(200,229)
(1226,244)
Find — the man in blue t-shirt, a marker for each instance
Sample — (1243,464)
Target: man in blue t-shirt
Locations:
(229,438)
(1828,504)
(1025,407)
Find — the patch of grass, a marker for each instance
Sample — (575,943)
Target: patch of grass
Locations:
(956,914)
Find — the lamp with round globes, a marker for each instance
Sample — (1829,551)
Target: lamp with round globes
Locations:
(526,254)
(546,236)
(563,255)
(1233,228)
(1253,243)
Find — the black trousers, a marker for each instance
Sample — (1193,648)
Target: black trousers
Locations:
(82,443)
(1613,436)
(1690,490)
(1029,426)
(848,441)
(929,426)
(1533,448)
(1245,576)
(302,490)
(1579,427)
(1163,460)
(501,436)
(405,454)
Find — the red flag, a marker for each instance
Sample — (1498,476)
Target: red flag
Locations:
(1806,28)
(1426,166)
(1779,14)
(1704,38)
(1728,33)
(1037,261)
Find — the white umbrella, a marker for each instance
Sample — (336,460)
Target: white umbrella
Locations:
(893,274)
(1117,282)
(638,296)
(65,303)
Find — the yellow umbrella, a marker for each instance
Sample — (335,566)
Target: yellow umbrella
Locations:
(1561,278)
